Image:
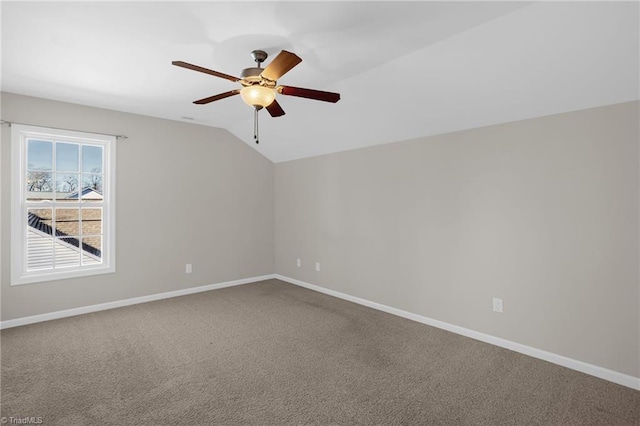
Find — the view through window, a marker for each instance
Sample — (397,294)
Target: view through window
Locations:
(64,200)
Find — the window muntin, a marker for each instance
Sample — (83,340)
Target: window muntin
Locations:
(63,187)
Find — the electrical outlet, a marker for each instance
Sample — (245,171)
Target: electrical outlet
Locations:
(188,269)
(298,262)
(497,305)
(317,266)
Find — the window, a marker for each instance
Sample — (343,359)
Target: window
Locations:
(62,212)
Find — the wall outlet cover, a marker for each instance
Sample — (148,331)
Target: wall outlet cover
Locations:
(497,305)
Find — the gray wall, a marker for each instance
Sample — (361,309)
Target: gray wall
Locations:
(542,213)
(185,194)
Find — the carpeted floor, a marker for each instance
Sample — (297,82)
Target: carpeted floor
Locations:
(271,353)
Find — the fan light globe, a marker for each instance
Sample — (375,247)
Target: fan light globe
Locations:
(257,96)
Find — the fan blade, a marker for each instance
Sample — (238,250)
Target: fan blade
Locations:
(204,70)
(216,97)
(280,65)
(275,109)
(318,95)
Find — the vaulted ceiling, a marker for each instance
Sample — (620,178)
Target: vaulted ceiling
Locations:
(404,69)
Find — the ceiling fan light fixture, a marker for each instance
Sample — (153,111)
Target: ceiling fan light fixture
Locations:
(259,85)
(257,95)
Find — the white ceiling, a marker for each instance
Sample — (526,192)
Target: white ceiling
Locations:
(404,69)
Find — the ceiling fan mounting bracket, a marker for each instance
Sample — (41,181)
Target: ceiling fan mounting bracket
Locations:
(259,56)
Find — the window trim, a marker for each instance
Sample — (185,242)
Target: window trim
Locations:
(19,273)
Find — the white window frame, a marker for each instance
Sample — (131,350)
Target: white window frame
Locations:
(19,225)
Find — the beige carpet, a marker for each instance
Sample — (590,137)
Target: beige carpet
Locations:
(271,353)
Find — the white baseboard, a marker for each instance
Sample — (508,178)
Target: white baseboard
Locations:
(593,370)
(120,303)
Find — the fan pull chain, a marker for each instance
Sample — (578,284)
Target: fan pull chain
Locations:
(255,125)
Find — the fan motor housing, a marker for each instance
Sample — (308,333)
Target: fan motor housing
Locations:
(251,76)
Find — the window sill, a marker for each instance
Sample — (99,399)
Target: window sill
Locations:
(34,278)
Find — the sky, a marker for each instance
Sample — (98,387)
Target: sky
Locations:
(70,157)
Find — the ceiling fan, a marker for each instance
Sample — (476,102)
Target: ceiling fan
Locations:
(259,85)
